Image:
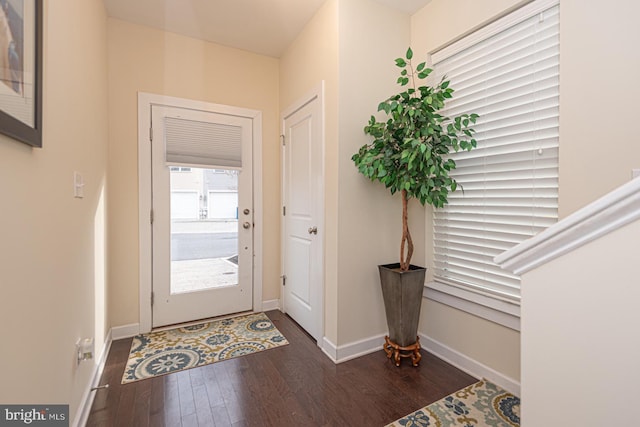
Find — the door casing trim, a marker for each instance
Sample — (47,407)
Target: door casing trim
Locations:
(145,101)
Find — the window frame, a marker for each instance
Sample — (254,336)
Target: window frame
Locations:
(485,305)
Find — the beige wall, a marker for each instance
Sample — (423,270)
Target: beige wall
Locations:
(343,46)
(597,73)
(142,59)
(599,93)
(588,328)
(52,246)
(369,218)
(311,59)
(580,334)
(495,346)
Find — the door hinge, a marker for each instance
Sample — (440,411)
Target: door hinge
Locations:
(284,280)
(284,211)
(151,134)
(282,138)
(153,298)
(151,216)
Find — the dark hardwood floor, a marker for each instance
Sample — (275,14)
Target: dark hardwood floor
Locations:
(293,385)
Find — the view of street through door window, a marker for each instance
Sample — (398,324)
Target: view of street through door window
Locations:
(204,228)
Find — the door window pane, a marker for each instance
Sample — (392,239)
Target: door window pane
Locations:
(204,229)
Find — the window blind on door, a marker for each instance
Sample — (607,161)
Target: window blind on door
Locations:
(191,142)
(510,181)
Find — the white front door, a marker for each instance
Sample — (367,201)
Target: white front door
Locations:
(202,266)
(303,232)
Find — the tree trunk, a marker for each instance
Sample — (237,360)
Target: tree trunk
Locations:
(406,236)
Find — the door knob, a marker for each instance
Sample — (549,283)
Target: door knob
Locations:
(313,230)
(246,211)
(246,225)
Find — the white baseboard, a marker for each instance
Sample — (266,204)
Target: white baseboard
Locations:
(82,414)
(469,365)
(273,304)
(125,331)
(342,353)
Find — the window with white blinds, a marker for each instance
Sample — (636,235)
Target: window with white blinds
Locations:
(192,142)
(508,73)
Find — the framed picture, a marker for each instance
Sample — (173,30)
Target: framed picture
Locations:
(21,70)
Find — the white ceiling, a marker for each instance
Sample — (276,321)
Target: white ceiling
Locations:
(261,26)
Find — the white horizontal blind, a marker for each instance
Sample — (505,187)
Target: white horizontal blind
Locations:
(191,142)
(510,181)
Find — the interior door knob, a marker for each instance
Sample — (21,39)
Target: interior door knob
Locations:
(313,230)
(246,225)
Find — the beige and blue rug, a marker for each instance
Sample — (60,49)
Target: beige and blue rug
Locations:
(164,352)
(479,405)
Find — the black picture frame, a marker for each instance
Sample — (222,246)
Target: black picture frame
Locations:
(25,123)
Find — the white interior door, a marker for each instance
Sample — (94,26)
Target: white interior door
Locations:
(303,232)
(201,267)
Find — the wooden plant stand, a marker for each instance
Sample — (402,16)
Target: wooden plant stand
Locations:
(393,349)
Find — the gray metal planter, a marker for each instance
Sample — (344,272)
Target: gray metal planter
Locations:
(402,293)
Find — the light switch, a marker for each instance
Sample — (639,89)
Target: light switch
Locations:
(78,185)
(635,173)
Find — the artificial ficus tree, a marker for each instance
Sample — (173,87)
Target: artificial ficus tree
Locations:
(409,151)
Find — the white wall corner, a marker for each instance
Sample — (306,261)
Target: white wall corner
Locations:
(84,409)
(469,365)
(345,352)
(125,331)
(272,304)
(615,210)
(330,349)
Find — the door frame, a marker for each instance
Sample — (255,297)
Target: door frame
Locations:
(145,101)
(316,93)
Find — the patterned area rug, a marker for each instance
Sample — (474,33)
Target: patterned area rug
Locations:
(164,352)
(479,405)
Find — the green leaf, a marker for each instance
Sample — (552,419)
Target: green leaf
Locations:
(425,73)
(409,149)
(409,53)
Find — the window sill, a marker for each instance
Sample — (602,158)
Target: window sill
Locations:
(495,310)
